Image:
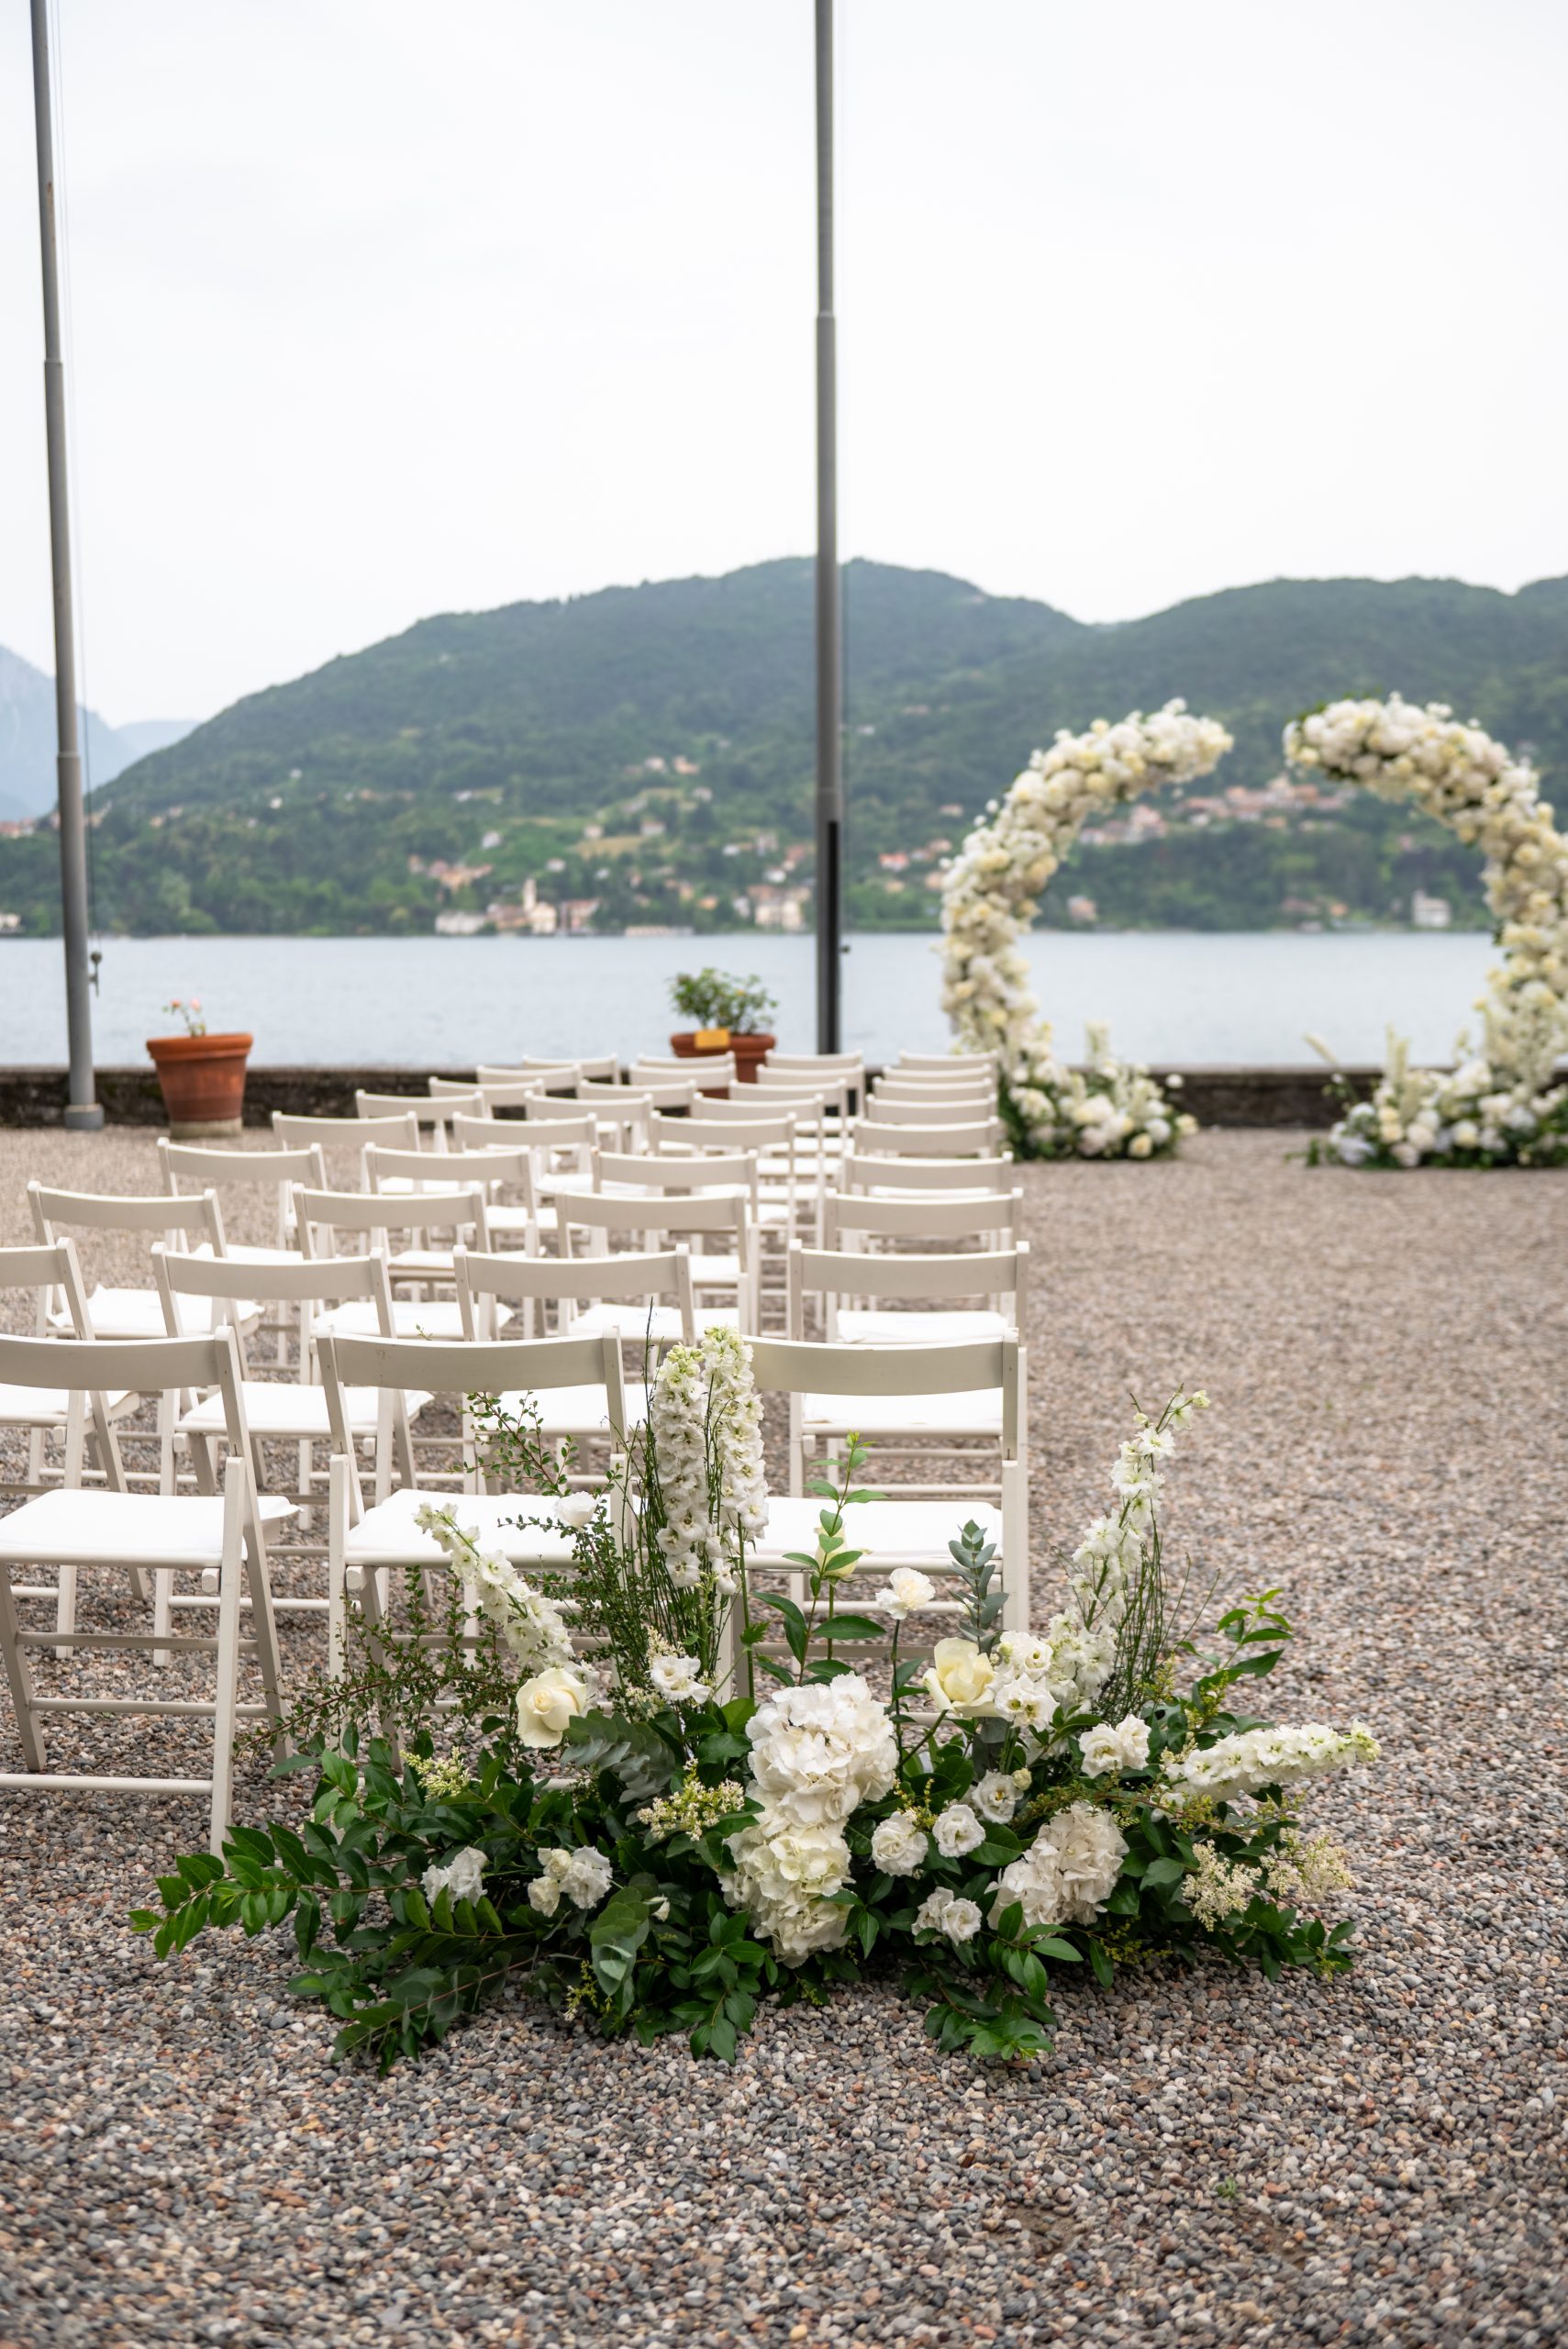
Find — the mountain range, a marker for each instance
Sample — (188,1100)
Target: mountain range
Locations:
(28,741)
(647,753)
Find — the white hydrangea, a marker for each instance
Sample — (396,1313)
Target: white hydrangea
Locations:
(991,893)
(1251,1759)
(899,1844)
(818,1752)
(462,1876)
(1069,1871)
(783,1873)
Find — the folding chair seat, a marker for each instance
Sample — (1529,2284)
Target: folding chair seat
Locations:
(221,1535)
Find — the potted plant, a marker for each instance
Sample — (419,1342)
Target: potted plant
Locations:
(727,1015)
(202,1077)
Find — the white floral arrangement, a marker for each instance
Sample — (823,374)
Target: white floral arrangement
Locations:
(697,1801)
(1500,1105)
(991,894)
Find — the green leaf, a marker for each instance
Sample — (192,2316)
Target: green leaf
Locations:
(852,1627)
(1105,1971)
(1164,1872)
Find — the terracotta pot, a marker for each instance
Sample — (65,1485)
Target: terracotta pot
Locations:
(203,1083)
(694,1044)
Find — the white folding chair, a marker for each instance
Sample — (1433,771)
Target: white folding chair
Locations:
(337,1138)
(946,1063)
(867,1168)
(889,1137)
(260,1170)
(644,1299)
(660,1220)
(128,1312)
(372,1217)
(710,1071)
(862,1220)
(432,1112)
(601,1064)
(138,1534)
(980,1092)
(365,1545)
(495,1171)
(1000,1275)
(289,1411)
(894,1531)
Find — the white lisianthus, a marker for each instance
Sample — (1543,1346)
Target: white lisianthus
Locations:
(462,1876)
(948,1913)
(996,1796)
(1125,1747)
(547,1703)
(957,1831)
(679,1677)
(584,1875)
(906,1592)
(899,1845)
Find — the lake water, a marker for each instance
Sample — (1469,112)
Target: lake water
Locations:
(1170,996)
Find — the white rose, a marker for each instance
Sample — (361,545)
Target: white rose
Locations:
(1141,1147)
(547,1702)
(957,1831)
(960,1677)
(899,1844)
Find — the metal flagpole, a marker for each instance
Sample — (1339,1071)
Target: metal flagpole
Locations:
(830,644)
(82,1112)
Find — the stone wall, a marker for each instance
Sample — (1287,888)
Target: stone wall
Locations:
(36,1097)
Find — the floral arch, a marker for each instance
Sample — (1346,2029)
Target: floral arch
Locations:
(1499,1105)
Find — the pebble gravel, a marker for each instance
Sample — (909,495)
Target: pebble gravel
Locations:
(1203,2158)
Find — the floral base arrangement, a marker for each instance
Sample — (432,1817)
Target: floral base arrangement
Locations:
(1478,1114)
(655,1794)
(1109,1108)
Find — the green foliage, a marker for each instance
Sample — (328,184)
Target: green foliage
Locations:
(711,999)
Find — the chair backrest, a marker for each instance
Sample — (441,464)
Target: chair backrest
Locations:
(974,1137)
(901,1084)
(402,1133)
(848,1218)
(213,1168)
(705,1069)
(180,1219)
(474,1134)
(509,1093)
(434,1367)
(801,1366)
(383,1212)
(931,1109)
(638,1170)
(833,1064)
(943,1063)
(862,1170)
(653,1088)
(496,1169)
(576,1123)
(51,1268)
(566,1282)
(701,1131)
(603,1216)
(605,1064)
(322,1280)
(998,1274)
(432,1109)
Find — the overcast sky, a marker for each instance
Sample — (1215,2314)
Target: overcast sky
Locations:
(382,307)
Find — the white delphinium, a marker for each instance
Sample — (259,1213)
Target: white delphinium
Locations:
(820,1750)
(1124,1746)
(948,1913)
(679,1677)
(1250,1759)
(1216,1887)
(706,1424)
(462,1876)
(532,1626)
(580,1874)
(900,1845)
(956,1831)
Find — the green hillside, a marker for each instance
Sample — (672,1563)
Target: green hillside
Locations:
(647,751)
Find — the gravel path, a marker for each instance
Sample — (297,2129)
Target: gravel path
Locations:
(1205,2156)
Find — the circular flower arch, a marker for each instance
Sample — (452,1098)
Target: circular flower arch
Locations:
(1500,1104)
(991,894)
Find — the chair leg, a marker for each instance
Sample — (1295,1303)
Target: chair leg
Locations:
(19,1678)
(1015,1548)
(163,1612)
(339,1474)
(228,1659)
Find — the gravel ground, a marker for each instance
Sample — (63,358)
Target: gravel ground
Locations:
(1379,2159)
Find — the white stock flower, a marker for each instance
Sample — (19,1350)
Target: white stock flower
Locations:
(899,1844)
(462,1876)
(957,1831)
(707,1424)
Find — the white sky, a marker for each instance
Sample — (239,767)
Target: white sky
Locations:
(384,308)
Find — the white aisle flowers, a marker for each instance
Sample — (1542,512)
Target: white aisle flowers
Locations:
(706,1423)
(1501,1105)
(991,894)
